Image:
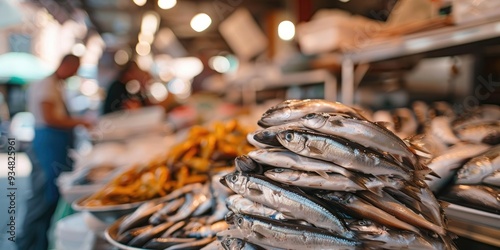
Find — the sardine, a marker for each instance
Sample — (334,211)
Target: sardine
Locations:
(363,132)
(208,230)
(194,245)
(174,228)
(130,234)
(162,243)
(362,209)
(493,179)
(392,206)
(290,201)
(486,132)
(478,194)
(192,202)
(393,239)
(441,128)
(268,136)
(289,111)
(335,182)
(244,163)
(170,207)
(479,167)
(140,216)
(149,234)
(291,236)
(340,151)
(238,244)
(283,158)
(446,164)
(240,204)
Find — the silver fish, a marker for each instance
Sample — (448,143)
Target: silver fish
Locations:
(162,243)
(363,132)
(238,244)
(393,239)
(240,204)
(149,234)
(140,216)
(208,230)
(192,245)
(170,207)
(174,228)
(493,179)
(244,163)
(289,201)
(441,128)
(446,164)
(360,208)
(400,211)
(215,245)
(286,159)
(486,132)
(239,240)
(484,113)
(292,110)
(335,182)
(268,136)
(475,170)
(192,202)
(291,236)
(478,194)
(340,151)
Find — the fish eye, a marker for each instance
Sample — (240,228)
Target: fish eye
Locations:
(289,136)
(233,178)
(239,221)
(266,133)
(310,116)
(278,170)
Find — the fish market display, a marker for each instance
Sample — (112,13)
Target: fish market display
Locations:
(204,150)
(187,218)
(327,178)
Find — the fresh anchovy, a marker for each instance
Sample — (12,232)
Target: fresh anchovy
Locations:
(484,113)
(183,190)
(291,236)
(340,151)
(475,170)
(240,204)
(393,240)
(170,207)
(283,158)
(431,207)
(392,206)
(149,234)
(442,109)
(255,143)
(441,128)
(363,132)
(477,194)
(290,201)
(174,228)
(294,109)
(221,193)
(360,208)
(130,234)
(268,136)
(446,164)
(193,201)
(487,132)
(238,244)
(208,230)
(406,124)
(140,216)
(493,179)
(192,245)
(162,243)
(335,182)
(244,163)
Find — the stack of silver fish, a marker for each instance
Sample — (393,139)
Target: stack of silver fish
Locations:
(327,178)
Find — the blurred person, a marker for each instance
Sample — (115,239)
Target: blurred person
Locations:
(127,91)
(48,153)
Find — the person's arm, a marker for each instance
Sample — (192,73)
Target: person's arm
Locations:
(53,120)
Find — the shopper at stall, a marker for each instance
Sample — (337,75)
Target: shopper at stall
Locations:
(127,91)
(48,152)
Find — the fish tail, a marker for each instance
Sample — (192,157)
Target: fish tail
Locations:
(359,180)
(323,174)
(422,173)
(448,242)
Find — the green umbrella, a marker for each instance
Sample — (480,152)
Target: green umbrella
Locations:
(20,68)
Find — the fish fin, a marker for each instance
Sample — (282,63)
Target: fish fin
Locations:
(323,174)
(412,192)
(260,232)
(384,124)
(377,190)
(255,191)
(359,180)
(434,174)
(314,150)
(288,215)
(422,173)
(336,122)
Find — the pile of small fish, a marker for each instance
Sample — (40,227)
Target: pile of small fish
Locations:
(187,218)
(327,178)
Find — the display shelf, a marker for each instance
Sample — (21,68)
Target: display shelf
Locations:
(474,224)
(419,43)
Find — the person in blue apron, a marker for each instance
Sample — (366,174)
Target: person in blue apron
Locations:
(48,152)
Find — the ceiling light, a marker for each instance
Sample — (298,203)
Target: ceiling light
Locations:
(146,37)
(140,2)
(150,22)
(121,57)
(286,30)
(220,64)
(166,4)
(201,22)
(143,48)
(186,67)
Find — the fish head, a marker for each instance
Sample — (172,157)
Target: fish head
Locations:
(315,120)
(365,226)
(242,222)
(292,140)
(267,136)
(275,116)
(236,181)
(470,173)
(245,164)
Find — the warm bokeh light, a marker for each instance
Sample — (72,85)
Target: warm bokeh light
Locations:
(158,91)
(89,87)
(140,2)
(166,4)
(150,22)
(286,30)
(121,57)
(220,64)
(78,49)
(143,48)
(186,67)
(146,37)
(201,22)
(133,86)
